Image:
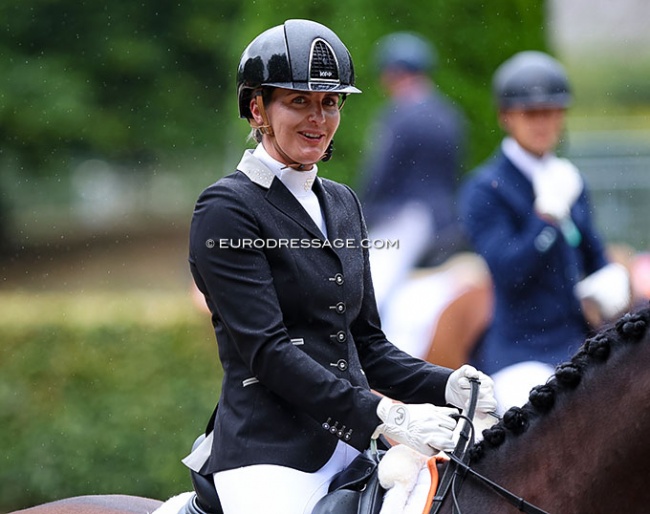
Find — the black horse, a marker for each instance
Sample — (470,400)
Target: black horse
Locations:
(578,446)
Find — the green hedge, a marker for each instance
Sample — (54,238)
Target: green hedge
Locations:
(101,394)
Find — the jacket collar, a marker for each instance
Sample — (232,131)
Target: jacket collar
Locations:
(280,196)
(257,172)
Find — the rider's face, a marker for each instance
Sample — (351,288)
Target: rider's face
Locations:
(303,123)
(536,130)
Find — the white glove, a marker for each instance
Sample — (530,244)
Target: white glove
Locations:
(557,185)
(423,427)
(458,389)
(609,288)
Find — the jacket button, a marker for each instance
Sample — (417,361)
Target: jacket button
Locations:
(342,364)
(338,279)
(339,308)
(339,337)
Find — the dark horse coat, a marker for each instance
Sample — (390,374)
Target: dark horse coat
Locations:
(296,323)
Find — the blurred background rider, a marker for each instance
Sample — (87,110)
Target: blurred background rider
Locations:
(412,165)
(527,212)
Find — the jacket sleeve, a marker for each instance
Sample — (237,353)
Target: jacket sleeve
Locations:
(591,245)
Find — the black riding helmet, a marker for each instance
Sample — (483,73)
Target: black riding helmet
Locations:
(530,80)
(300,55)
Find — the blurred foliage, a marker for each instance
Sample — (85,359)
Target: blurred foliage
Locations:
(153,82)
(101,394)
(124,80)
(611,86)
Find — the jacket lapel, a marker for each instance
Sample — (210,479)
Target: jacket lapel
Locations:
(284,201)
(278,195)
(333,210)
(515,186)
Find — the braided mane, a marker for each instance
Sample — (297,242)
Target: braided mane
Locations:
(594,352)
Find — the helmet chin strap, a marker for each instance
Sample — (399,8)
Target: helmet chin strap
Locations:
(266,129)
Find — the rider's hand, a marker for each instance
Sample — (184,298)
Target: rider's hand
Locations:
(458,389)
(609,288)
(422,427)
(557,185)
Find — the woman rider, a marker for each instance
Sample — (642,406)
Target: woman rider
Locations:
(309,377)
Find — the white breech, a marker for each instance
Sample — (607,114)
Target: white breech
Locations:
(412,226)
(278,489)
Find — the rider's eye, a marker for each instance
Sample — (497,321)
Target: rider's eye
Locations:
(331,101)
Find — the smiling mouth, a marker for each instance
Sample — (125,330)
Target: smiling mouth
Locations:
(312,136)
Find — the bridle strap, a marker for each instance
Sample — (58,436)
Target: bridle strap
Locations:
(521,504)
(458,461)
(447,480)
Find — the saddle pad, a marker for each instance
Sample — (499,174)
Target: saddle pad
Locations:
(410,479)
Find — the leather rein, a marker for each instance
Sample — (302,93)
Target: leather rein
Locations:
(458,467)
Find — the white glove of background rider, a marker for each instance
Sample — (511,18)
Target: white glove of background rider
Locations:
(609,287)
(557,185)
(458,389)
(422,427)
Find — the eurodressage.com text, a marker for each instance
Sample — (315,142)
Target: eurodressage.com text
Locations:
(375,244)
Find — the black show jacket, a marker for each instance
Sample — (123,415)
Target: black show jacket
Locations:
(296,323)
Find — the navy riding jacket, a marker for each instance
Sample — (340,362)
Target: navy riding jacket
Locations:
(534,269)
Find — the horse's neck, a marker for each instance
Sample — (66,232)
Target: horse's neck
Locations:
(589,454)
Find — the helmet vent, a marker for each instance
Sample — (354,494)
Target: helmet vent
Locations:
(323,66)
